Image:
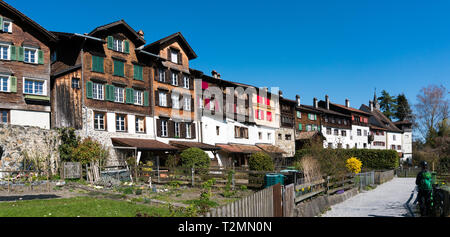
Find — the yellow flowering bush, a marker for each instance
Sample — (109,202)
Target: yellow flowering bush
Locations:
(353,165)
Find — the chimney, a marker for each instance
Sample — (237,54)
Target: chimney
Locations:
(297,98)
(280,93)
(315,102)
(371,105)
(214,73)
(218,75)
(327,100)
(347,103)
(141,33)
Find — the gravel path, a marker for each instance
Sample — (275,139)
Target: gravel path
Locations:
(387,200)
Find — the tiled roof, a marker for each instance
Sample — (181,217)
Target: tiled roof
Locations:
(270,148)
(307,135)
(143,144)
(239,148)
(350,109)
(378,119)
(184,144)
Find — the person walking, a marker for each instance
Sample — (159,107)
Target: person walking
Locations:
(425,188)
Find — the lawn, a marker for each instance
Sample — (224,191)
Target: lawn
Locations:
(79,207)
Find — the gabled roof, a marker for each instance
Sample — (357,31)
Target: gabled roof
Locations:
(137,40)
(46,34)
(350,109)
(378,119)
(308,108)
(329,111)
(177,36)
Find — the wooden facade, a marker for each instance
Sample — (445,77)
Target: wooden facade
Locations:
(25,61)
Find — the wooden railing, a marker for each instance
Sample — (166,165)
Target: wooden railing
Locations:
(328,185)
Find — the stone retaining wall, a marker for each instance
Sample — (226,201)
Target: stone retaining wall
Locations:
(383,176)
(18,142)
(320,204)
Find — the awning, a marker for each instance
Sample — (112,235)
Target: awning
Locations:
(185,145)
(143,144)
(239,148)
(270,148)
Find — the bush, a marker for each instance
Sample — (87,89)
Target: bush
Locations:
(353,165)
(194,157)
(88,151)
(261,162)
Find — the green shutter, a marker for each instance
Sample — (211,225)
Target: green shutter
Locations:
(1,23)
(146,98)
(13,53)
(110,42)
(299,114)
(315,116)
(13,84)
(20,55)
(129,94)
(118,68)
(113,96)
(89,89)
(300,126)
(97,64)
(138,72)
(107,93)
(127,46)
(40,57)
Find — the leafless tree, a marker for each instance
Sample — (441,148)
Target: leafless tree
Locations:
(431,109)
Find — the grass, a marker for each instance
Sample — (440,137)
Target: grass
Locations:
(79,207)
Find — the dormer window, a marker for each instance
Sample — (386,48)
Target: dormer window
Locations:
(118,45)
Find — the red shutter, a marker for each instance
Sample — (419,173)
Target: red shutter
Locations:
(207,100)
(258,99)
(267,101)
(257,113)
(269,116)
(204,85)
(353,118)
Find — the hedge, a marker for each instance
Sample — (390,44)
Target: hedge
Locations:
(371,159)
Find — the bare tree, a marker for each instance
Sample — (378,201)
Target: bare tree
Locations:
(431,109)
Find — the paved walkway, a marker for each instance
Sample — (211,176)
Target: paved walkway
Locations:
(387,200)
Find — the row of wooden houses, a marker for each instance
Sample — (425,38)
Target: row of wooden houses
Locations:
(139,97)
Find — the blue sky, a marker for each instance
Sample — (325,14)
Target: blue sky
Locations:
(341,48)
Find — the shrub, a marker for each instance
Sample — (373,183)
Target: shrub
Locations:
(261,162)
(171,161)
(353,165)
(194,157)
(69,141)
(88,151)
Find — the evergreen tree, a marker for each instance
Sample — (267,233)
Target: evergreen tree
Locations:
(387,104)
(402,109)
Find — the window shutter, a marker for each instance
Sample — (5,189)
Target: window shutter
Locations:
(13,53)
(110,42)
(191,83)
(126,44)
(89,89)
(192,104)
(40,57)
(13,84)
(315,116)
(180,58)
(1,23)
(156,98)
(135,72)
(146,98)
(107,93)
(156,73)
(158,127)
(20,55)
(127,95)
(169,56)
(183,130)
(169,99)
(180,80)
(193,130)
(300,127)
(171,128)
(130,96)
(168,77)
(113,96)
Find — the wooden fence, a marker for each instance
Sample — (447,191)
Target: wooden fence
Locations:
(264,203)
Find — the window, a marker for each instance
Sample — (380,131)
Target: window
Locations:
(177,129)
(119,94)
(97,91)
(138,97)
(99,121)
(300,127)
(364,145)
(343,133)
(118,68)
(260,136)
(120,123)
(299,114)
(75,83)
(4,52)
(347,146)
(330,145)
(187,104)
(186,82)
(175,101)
(30,55)
(339,145)
(140,124)
(174,78)
(162,99)
(288,137)
(339,121)
(7,26)
(393,137)
(138,73)
(162,75)
(280,136)
(269,117)
(326,119)
(4,116)
(174,56)
(118,45)
(188,130)
(164,128)
(328,131)
(365,132)
(333,120)
(345,122)
(312,117)
(35,87)
(336,132)
(399,147)
(358,132)
(308,127)
(393,147)
(269,136)
(4,84)
(217,130)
